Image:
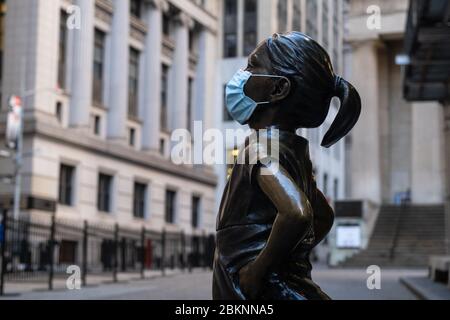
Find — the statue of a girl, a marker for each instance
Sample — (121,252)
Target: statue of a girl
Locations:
(270,221)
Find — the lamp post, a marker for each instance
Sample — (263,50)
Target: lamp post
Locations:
(15,130)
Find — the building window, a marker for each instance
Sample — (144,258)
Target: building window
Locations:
(133,83)
(132,137)
(136,8)
(325,24)
(230,28)
(62,58)
(66,181)
(104,192)
(164,88)
(311,18)
(282,15)
(58,111)
(68,252)
(189,106)
(170,206)
(325,184)
(336,189)
(97,125)
(193,42)
(2,38)
(226,115)
(250,25)
(166,25)
(139,195)
(195,219)
(297,16)
(99,55)
(162,146)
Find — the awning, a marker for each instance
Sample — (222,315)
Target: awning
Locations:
(427,43)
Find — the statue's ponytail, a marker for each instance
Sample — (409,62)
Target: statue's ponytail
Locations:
(308,66)
(348,113)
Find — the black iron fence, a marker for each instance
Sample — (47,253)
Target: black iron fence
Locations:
(38,251)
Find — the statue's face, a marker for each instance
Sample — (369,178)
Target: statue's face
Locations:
(259,88)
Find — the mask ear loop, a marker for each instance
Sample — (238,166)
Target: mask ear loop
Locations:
(269,76)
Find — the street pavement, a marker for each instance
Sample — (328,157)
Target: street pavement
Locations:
(347,284)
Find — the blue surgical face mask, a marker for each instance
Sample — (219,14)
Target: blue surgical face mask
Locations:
(240,106)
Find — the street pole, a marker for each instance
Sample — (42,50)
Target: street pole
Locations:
(19,147)
(18,175)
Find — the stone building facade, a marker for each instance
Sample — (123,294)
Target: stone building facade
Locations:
(396,146)
(106,82)
(395,153)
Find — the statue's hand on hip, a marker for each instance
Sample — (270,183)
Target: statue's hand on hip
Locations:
(250,280)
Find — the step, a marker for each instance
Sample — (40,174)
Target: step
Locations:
(416,232)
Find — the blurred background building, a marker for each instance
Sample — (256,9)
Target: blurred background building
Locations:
(101,100)
(395,154)
(132,73)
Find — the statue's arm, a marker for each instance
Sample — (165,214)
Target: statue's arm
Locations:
(324,217)
(291,225)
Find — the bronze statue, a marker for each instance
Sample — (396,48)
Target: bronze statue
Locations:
(269,223)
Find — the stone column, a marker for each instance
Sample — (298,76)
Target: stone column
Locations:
(267,21)
(365,170)
(118,99)
(427,172)
(178,92)
(205,85)
(290,14)
(30,62)
(201,79)
(152,81)
(81,84)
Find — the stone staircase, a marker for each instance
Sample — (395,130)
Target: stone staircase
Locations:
(404,236)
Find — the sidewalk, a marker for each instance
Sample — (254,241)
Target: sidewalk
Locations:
(17,288)
(339,284)
(426,289)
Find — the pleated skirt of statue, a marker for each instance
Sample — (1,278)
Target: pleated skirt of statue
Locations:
(231,255)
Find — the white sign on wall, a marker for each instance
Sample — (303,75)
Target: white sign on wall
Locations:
(348,236)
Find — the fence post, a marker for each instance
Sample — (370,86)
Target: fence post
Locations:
(163,251)
(116,247)
(204,260)
(183,250)
(84,255)
(51,253)
(3,253)
(143,253)
(190,255)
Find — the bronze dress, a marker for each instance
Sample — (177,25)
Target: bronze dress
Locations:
(245,221)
